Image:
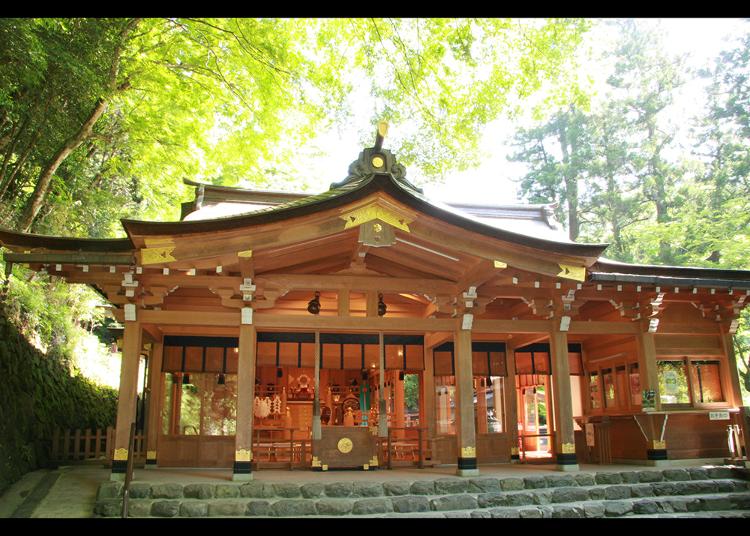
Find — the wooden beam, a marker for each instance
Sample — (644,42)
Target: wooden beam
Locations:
(596,327)
(357,283)
(511,326)
(435,339)
(400,258)
(295,322)
(82,257)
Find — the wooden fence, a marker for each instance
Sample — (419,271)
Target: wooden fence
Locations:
(91,446)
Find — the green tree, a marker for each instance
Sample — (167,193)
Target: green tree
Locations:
(558,152)
(645,79)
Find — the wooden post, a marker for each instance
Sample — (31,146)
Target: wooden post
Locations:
(420,452)
(428,405)
(153,423)
(343,302)
(382,410)
(98,443)
(565,445)
(647,367)
(389,450)
(511,401)
(86,443)
(131,353)
(109,444)
(399,420)
(731,378)
(317,433)
(372,304)
(465,429)
(243,449)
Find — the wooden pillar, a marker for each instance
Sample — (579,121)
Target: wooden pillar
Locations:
(399,413)
(647,365)
(465,430)
(735,392)
(243,449)
(565,444)
(126,402)
(382,408)
(427,415)
(316,431)
(657,449)
(731,379)
(511,401)
(155,382)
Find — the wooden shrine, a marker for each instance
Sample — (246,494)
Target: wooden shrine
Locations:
(341,329)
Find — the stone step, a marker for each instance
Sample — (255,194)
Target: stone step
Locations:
(511,504)
(572,495)
(440,486)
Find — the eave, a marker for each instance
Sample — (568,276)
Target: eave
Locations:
(349,194)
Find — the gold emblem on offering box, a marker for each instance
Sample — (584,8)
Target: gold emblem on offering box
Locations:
(345,445)
(151,455)
(660,445)
(514,450)
(373,461)
(315,462)
(568,448)
(468,452)
(121,454)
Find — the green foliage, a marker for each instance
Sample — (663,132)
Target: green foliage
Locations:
(232,100)
(411,392)
(42,324)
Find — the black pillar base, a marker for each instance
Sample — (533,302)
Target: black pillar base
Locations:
(242,468)
(151,462)
(467,463)
(656,454)
(566,458)
(515,457)
(119,466)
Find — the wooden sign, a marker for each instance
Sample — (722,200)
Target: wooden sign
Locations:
(718,415)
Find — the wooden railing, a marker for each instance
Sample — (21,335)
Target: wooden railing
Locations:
(404,445)
(282,445)
(91,446)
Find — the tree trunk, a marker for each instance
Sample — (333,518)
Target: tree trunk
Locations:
(8,185)
(45,178)
(571,182)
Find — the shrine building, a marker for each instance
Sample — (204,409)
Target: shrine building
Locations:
(368,324)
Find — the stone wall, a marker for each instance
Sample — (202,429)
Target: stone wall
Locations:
(37,395)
